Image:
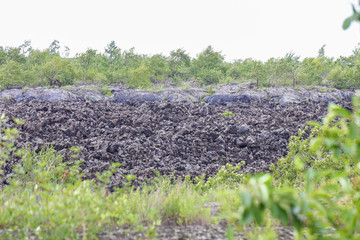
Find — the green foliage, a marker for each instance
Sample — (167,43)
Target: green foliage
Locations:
(87,63)
(179,64)
(139,77)
(159,68)
(312,71)
(355,17)
(58,72)
(24,65)
(229,176)
(112,51)
(228,114)
(208,67)
(105,90)
(11,75)
(54,47)
(342,136)
(46,167)
(7,138)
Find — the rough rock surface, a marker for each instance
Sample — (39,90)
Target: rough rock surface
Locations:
(234,92)
(145,136)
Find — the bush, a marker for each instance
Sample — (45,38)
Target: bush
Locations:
(139,77)
(58,72)
(11,75)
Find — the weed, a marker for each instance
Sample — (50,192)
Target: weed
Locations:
(105,90)
(228,114)
(210,91)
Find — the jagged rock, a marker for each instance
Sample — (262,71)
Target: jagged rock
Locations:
(290,97)
(50,95)
(90,95)
(224,94)
(135,96)
(220,98)
(144,135)
(11,94)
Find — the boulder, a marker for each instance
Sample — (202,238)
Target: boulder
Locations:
(220,98)
(289,98)
(135,96)
(11,94)
(50,95)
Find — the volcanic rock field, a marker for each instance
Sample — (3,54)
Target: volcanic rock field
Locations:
(188,138)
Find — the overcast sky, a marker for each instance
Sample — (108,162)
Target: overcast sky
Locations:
(240,29)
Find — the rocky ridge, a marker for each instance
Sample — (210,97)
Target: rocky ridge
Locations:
(234,92)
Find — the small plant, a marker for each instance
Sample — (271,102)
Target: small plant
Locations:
(185,85)
(46,167)
(24,89)
(7,146)
(210,91)
(106,91)
(228,114)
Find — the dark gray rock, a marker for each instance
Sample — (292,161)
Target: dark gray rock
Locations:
(243,129)
(135,96)
(220,98)
(50,95)
(90,95)
(15,94)
(289,98)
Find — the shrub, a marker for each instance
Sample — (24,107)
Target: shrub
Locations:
(58,72)
(139,77)
(11,75)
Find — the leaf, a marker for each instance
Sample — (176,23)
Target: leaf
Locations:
(299,164)
(342,112)
(264,193)
(279,213)
(18,121)
(246,198)
(330,143)
(353,131)
(247,216)
(313,124)
(315,144)
(347,23)
(297,224)
(258,213)
(230,234)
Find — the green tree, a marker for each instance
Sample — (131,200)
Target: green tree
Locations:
(313,71)
(139,77)
(66,52)
(179,64)
(321,52)
(54,47)
(26,48)
(14,54)
(112,50)
(58,72)
(287,66)
(3,56)
(158,67)
(11,74)
(209,66)
(87,61)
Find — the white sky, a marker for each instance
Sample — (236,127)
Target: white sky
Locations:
(238,28)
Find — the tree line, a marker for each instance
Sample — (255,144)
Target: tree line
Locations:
(24,66)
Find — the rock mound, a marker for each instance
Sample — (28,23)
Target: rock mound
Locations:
(222,94)
(188,138)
